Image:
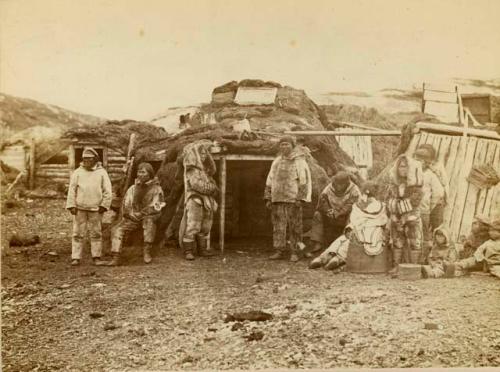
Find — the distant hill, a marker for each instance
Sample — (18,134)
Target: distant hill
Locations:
(22,118)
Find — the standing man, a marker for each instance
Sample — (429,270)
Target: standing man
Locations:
(333,210)
(288,186)
(141,208)
(200,191)
(433,197)
(89,196)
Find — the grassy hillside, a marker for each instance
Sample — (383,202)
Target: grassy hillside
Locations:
(22,118)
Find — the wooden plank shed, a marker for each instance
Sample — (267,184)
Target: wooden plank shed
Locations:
(459,151)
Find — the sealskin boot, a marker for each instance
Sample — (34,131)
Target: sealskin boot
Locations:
(202,247)
(277,256)
(147,253)
(189,248)
(98,262)
(115,260)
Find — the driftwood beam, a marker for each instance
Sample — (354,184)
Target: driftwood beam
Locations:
(450,129)
(32,168)
(345,133)
(222,218)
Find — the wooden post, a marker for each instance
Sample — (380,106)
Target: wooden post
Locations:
(32,170)
(72,158)
(222,218)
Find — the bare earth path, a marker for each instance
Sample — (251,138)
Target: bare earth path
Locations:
(170,315)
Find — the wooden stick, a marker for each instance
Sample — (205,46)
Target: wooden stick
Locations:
(345,133)
(450,129)
(354,125)
(11,186)
(32,165)
(222,218)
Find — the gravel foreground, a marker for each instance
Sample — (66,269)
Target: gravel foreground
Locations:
(171,314)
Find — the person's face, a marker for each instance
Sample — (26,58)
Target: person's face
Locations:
(340,187)
(494,234)
(440,238)
(88,163)
(476,227)
(203,154)
(425,162)
(403,169)
(286,148)
(142,175)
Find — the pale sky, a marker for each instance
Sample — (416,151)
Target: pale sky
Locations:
(133,59)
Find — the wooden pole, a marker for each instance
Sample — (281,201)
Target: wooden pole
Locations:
(32,165)
(222,210)
(345,133)
(450,129)
(355,125)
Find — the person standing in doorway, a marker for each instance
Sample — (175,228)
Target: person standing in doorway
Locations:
(288,187)
(89,196)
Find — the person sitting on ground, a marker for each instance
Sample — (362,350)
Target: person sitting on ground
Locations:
(367,225)
(335,255)
(141,207)
(200,191)
(478,235)
(487,255)
(332,212)
(443,252)
(433,198)
(89,196)
(288,187)
(403,198)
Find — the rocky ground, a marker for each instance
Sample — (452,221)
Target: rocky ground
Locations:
(170,315)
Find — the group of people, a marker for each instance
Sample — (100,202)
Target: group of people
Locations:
(405,218)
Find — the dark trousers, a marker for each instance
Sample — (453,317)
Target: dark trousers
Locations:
(287,225)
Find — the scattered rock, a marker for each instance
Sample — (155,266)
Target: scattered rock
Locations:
(52,253)
(237,326)
(99,285)
(431,326)
(342,341)
(252,315)
(109,326)
(254,336)
(96,314)
(208,339)
(187,359)
(23,240)
(64,286)
(212,329)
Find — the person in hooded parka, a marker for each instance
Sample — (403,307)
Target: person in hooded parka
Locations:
(140,208)
(200,192)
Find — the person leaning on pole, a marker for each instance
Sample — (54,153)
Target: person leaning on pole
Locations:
(89,196)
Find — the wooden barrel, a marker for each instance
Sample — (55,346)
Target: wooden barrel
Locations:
(361,263)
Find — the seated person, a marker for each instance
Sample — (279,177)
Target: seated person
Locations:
(333,210)
(368,220)
(487,255)
(478,235)
(442,252)
(141,208)
(335,255)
